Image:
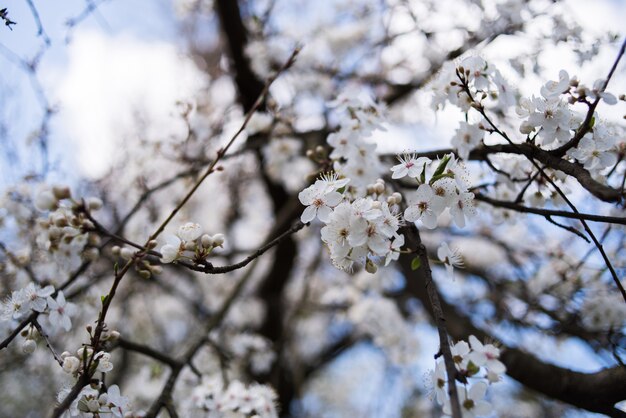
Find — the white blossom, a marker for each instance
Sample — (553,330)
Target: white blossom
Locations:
(424,206)
(60,311)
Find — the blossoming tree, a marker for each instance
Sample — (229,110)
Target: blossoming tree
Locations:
(228,272)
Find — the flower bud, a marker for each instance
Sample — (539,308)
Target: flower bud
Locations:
(93,240)
(115,335)
(190,245)
(29,346)
(88,225)
(206,241)
(92,405)
(370,267)
(218,240)
(91,254)
(93,203)
(379,188)
(151,244)
(45,200)
(59,220)
(398,197)
(526,128)
(61,192)
(126,253)
(54,233)
(115,250)
(145,274)
(376,204)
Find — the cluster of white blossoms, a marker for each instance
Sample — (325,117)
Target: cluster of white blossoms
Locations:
(235,400)
(67,232)
(597,150)
(446,188)
(478,363)
(549,115)
(362,220)
(361,230)
(191,244)
(23,301)
(484,82)
(33,298)
(554,123)
(101,361)
(94,402)
(353,156)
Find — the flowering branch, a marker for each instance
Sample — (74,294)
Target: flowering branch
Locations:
(585,127)
(481,109)
(208,268)
(596,392)
(599,190)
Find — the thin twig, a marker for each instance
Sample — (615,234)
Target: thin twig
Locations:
(549,212)
(47,340)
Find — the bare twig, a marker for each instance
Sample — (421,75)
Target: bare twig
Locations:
(550,212)
(43,334)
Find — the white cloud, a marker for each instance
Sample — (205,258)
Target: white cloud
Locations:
(110,84)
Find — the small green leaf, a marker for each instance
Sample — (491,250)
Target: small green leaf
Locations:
(433,179)
(423,175)
(472,369)
(103,299)
(592,122)
(442,165)
(415,263)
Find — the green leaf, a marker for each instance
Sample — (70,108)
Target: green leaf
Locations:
(433,179)
(472,369)
(442,165)
(592,122)
(415,263)
(103,298)
(423,175)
